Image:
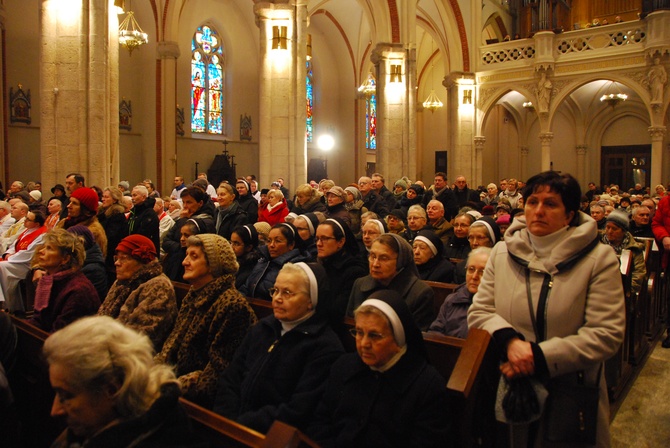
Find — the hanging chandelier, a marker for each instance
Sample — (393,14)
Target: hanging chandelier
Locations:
(612,99)
(131,35)
(432,103)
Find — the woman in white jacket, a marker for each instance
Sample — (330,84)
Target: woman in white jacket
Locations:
(551,258)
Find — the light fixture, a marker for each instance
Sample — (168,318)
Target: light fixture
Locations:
(279,40)
(432,102)
(119,5)
(612,99)
(396,73)
(467,96)
(131,35)
(309,47)
(326,142)
(528,105)
(369,87)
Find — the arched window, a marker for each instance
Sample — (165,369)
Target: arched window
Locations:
(309,131)
(207,82)
(370,90)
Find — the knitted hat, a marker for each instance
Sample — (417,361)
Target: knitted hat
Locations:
(220,256)
(355,192)
(418,189)
(488,210)
(337,191)
(619,218)
(401,183)
(263,228)
(137,246)
(88,198)
(504,220)
(124,184)
(397,213)
(36,195)
(85,233)
(505,207)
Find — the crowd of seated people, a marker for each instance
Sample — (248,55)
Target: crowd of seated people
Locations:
(361,239)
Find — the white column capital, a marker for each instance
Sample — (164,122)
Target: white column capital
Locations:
(167,50)
(657,132)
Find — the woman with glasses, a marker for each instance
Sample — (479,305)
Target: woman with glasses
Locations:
(452,320)
(142,297)
(306,226)
(63,293)
(429,258)
(386,394)
(283,245)
(484,232)
(338,254)
(244,241)
(391,263)
(458,246)
(280,369)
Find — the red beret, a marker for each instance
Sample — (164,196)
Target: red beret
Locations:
(138,246)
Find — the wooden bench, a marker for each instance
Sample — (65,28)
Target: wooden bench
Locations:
(440,292)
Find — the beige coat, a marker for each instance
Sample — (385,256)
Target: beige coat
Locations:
(585,314)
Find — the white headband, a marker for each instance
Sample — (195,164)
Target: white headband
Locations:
(338,225)
(428,242)
(309,224)
(389,312)
(379,224)
(285,224)
(249,231)
(492,235)
(313,285)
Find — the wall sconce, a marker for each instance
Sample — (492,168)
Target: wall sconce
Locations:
(467,96)
(309,47)
(279,40)
(396,73)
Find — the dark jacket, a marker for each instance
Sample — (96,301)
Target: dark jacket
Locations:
(165,424)
(458,248)
(452,320)
(264,274)
(447,198)
(417,295)
(339,211)
(466,195)
(343,269)
(313,205)
(94,270)
(250,205)
(374,203)
(227,220)
(406,406)
(114,222)
(247,264)
(278,377)
(388,197)
(437,269)
(144,221)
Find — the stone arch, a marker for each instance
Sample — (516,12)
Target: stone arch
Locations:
(494,27)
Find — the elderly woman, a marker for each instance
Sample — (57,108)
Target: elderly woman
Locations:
(109,390)
(354,205)
(172,265)
(111,216)
(283,245)
(429,258)
(142,297)
(276,209)
(63,294)
(391,264)
(338,253)
(244,241)
(81,209)
(306,226)
(280,369)
(459,246)
(553,251)
(247,201)
(308,199)
(229,214)
(484,232)
(452,320)
(386,394)
(617,236)
(212,321)
(173,208)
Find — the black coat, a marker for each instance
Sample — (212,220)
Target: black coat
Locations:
(437,269)
(144,221)
(94,270)
(406,406)
(447,198)
(228,220)
(374,203)
(264,274)
(116,229)
(343,270)
(249,204)
(278,377)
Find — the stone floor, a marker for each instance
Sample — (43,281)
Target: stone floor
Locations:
(643,420)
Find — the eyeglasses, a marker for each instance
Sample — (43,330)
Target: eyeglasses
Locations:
(323,239)
(276,241)
(370,233)
(478,238)
(373,336)
(283,294)
(381,258)
(472,270)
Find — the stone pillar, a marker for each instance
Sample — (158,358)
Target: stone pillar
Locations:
(657,134)
(282,142)
(461,102)
(3,106)
(479,160)
(581,164)
(545,139)
(523,173)
(396,110)
(79,85)
(167,54)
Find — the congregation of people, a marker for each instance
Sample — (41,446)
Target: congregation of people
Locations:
(318,254)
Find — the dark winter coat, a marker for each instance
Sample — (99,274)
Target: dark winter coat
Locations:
(144,221)
(250,205)
(343,270)
(437,269)
(452,320)
(94,270)
(228,220)
(113,220)
(264,274)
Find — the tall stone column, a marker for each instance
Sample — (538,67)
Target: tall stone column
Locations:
(479,160)
(523,174)
(581,164)
(546,139)
(166,108)
(396,110)
(282,142)
(461,102)
(657,134)
(79,84)
(3,107)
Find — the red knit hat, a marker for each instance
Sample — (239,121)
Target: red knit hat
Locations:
(88,198)
(138,246)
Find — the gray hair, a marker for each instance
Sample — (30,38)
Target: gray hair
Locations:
(142,189)
(419,209)
(481,250)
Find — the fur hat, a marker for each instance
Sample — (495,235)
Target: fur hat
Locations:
(88,198)
(619,218)
(219,254)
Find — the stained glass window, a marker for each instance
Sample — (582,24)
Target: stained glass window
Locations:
(309,131)
(207,97)
(371,122)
